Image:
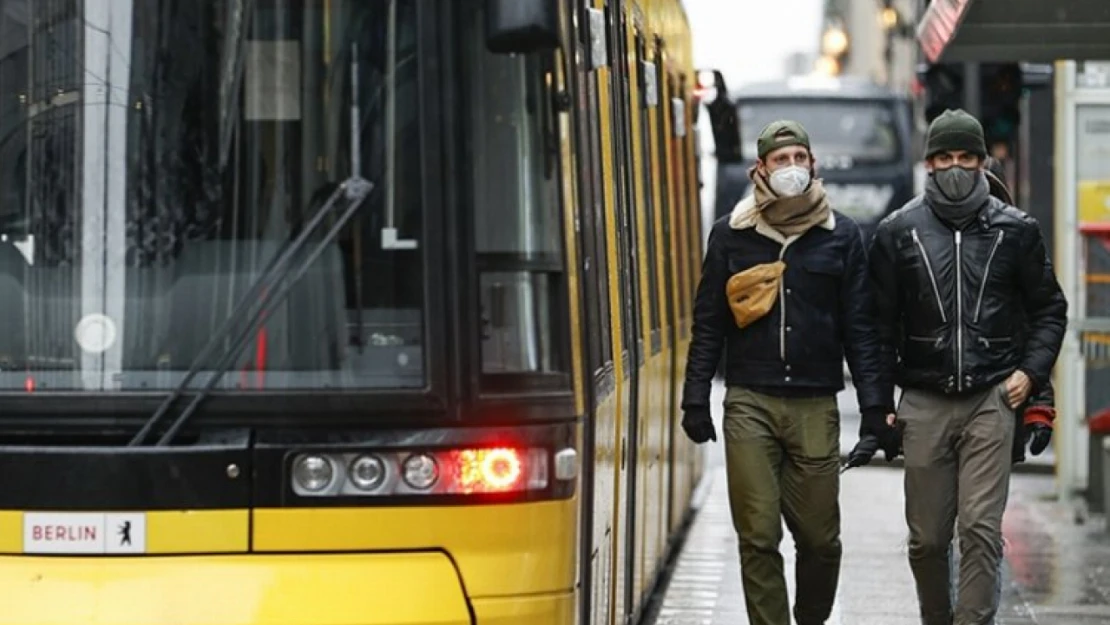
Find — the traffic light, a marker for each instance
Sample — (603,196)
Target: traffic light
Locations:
(944,89)
(1000,100)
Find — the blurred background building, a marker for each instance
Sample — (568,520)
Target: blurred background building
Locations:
(872,39)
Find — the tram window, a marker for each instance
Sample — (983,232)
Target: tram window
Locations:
(594,222)
(226,125)
(691,215)
(674,158)
(591,194)
(596,278)
(677,166)
(598,234)
(643,117)
(668,219)
(517,222)
(686,218)
(625,212)
(601,219)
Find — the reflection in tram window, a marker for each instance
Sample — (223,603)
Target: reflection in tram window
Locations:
(515,199)
(155,157)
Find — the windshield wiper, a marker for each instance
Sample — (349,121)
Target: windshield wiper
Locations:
(256,306)
(354,190)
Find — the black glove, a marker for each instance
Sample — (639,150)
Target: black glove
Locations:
(698,425)
(1038,420)
(1037,436)
(887,437)
(864,450)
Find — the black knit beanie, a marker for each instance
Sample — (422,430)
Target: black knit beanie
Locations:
(955,130)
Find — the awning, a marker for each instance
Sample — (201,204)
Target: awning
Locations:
(1034,31)
(939,25)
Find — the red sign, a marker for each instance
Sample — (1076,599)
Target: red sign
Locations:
(938,26)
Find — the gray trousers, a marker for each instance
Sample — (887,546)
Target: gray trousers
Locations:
(957,455)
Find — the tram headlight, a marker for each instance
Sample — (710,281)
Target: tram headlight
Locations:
(367,472)
(498,470)
(313,473)
(421,471)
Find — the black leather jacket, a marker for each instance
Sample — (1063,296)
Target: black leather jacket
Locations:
(959,311)
(823,315)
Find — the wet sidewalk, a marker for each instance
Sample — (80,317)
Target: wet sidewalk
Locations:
(1058,560)
(1057,570)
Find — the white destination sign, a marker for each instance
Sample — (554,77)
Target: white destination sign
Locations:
(84,532)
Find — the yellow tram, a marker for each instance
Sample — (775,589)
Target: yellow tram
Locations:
(343,311)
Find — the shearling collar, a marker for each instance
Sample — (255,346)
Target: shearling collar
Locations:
(744,216)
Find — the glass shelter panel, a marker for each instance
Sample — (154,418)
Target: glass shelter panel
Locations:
(1092,167)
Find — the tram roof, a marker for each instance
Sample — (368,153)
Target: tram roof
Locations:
(1036,31)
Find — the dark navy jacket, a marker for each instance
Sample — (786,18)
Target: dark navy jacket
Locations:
(824,313)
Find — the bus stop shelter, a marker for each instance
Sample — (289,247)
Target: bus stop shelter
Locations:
(1033,31)
(1074,35)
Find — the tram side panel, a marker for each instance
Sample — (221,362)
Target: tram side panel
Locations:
(603,420)
(614,430)
(639,452)
(666,474)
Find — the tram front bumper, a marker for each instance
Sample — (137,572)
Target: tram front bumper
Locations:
(358,589)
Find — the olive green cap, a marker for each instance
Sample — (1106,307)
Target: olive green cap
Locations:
(779,134)
(955,130)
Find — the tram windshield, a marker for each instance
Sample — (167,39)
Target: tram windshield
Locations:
(156,155)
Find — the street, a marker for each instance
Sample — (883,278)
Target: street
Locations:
(1056,570)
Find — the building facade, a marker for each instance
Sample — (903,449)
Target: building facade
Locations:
(879,38)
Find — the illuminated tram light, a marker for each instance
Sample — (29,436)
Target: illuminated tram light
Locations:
(489,470)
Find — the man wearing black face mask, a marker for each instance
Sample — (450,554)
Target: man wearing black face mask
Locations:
(971,319)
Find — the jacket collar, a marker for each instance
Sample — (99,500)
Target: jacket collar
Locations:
(989,213)
(986,218)
(745,216)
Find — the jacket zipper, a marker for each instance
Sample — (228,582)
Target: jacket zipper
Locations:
(959,316)
(932,278)
(782,309)
(987,273)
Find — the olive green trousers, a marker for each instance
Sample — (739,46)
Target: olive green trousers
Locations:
(783,457)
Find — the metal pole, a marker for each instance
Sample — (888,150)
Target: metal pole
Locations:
(1070,371)
(971,89)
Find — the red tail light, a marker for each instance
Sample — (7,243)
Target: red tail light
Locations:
(434,472)
(489,470)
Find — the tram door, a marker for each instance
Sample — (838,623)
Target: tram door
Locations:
(632,355)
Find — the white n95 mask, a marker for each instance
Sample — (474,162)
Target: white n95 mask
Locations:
(789,181)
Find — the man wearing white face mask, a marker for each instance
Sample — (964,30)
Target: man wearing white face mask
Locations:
(784,288)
